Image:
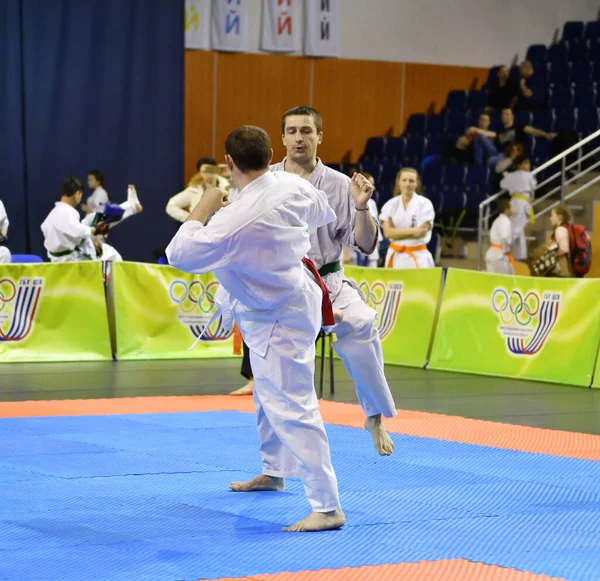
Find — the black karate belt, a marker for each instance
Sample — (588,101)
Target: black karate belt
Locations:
(323,336)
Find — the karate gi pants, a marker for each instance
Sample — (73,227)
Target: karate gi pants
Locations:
(518,221)
(293,442)
(497,262)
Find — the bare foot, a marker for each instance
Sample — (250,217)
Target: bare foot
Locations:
(319,521)
(262,482)
(246,390)
(383,443)
(338,316)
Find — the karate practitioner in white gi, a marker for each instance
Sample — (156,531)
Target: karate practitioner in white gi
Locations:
(498,258)
(5,255)
(407,220)
(66,239)
(254,245)
(358,344)
(521,186)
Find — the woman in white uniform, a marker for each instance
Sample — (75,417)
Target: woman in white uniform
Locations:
(407,220)
(498,258)
(5,256)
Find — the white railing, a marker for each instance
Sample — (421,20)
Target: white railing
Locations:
(568,174)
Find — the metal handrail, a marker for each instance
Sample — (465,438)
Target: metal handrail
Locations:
(485,205)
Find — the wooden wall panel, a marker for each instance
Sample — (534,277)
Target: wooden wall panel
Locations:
(199,89)
(357,99)
(256,89)
(428,85)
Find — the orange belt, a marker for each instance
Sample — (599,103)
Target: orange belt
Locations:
(510,257)
(410,250)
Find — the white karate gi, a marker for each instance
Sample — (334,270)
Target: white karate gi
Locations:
(5,256)
(358,344)
(358,258)
(66,239)
(521,187)
(180,206)
(419,210)
(97,200)
(496,259)
(254,247)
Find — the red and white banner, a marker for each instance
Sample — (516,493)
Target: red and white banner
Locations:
(281,26)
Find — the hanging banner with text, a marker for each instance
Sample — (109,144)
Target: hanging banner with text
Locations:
(197,24)
(229,25)
(322,35)
(529,328)
(406,302)
(53,312)
(281,26)
(160,311)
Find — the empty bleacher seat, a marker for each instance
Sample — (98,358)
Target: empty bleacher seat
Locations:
(477,175)
(456,123)
(582,72)
(573,31)
(413,150)
(416,124)
(432,175)
(474,198)
(394,149)
(477,99)
(557,53)
(592,32)
(434,124)
(433,145)
(561,98)
(523,117)
(493,72)
(587,121)
(565,120)
(584,97)
(389,173)
(536,53)
(529,146)
(456,101)
(454,177)
(374,149)
(543,120)
(496,121)
(375,169)
(541,152)
(559,74)
(577,51)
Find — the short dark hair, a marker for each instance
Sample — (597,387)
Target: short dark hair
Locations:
(303,110)
(97,175)
(249,147)
(503,204)
(205,161)
(520,159)
(71,186)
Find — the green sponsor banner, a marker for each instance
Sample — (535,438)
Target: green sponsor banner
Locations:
(596,382)
(160,311)
(545,329)
(406,302)
(53,312)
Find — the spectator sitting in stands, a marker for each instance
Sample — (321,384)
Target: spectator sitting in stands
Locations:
(530,94)
(502,90)
(462,150)
(5,256)
(485,150)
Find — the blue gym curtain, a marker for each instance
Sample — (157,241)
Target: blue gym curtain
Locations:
(99,85)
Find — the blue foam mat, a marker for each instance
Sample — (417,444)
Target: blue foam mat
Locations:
(146,497)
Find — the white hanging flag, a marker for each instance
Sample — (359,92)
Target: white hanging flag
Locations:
(197,24)
(281,26)
(230,25)
(322,35)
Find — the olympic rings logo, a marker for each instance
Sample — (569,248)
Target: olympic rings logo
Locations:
(8,290)
(514,307)
(374,294)
(193,296)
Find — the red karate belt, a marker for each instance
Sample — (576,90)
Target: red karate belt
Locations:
(326,306)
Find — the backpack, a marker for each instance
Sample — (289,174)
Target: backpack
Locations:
(580,249)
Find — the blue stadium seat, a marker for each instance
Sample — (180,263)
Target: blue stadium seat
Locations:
(454,177)
(557,53)
(433,145)
(454,201)
(435,124)
(456,101)
(493,72)
(394,149)
(561,98)
(523,117)
(456,123)
(432,175)
(584,97)
(496,118)
(565,120)
(434,193)
(577,51)
(573,31)
(543,120)
(559,73)
(541,152)
(413,151)
(536,53)
(587,121)
(26,259)
(594,53)
(515,74)
(375,169)
(434,246)
(476,100)
(474,198)
(374,149)
(388,176)
(529,146)
(416,124)
(592,32)
(582,73)
(477,175)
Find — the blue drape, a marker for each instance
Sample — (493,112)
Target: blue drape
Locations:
(102,88)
